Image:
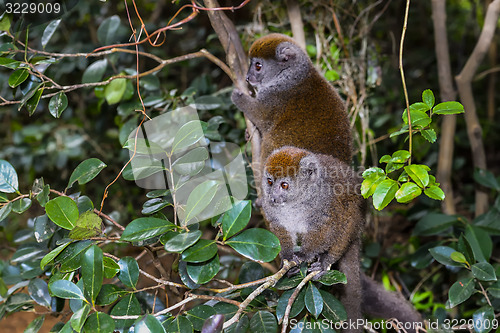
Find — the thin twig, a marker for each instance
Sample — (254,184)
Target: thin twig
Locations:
(403,78)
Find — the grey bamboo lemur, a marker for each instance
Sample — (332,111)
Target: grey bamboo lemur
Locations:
(312,203)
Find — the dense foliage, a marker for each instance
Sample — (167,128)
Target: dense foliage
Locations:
(90,235)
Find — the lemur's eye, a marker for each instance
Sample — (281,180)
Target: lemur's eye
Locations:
(270,181)
(284,185)
(258,66)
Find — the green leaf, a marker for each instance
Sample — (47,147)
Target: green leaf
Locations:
(18,76)
(9,63)
(484,319)
(4,22)
(57,104)
(199,314)
(127,306)
(297,306)
(149,324)
(428,98)
(443,255)
(144,146)
(95,71)
(155,205)
(263,322)
(182,241)
(203,250)
(236,219)
(20,206)
(49,32)
(129,271)
(418,118)
(384,193)
(400,156)
(434,192)
(99,322)
(66,289)
(43,196)
(433,224)
(5,211)
(480,242)
(203,272)
(63,211)
(8,178)
(460,291)
(52,254)
(484,271)
(333,309)
(32,103)
(372,178)
(190,133)
(332,277)
(257,244)
(180,325)
(92,272)
(39,292)
(109,294)
(494,289)
(486,178)
(429,134)
(199,199)
(87,225)
(79,317)
(145,228)
(35,325)
(448,108)
(113,92)
(458,257)
(70,258)
(192,162)
(86,171)
(106,33)
(407,192)
(419,174)
(313,300)
(111,268)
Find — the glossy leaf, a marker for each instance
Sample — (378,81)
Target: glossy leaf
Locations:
(313,300)
(5,211)
(18,76)
(145,228)
(458,257)
(39,292)
(199,314)
(182,241)
(428,98)
(480,242)
(263,321)
(203,272)
(129,271)
(70,258)
(443,255)
(192,162)
(384,193)
(9,63)
(494,289)
(127,306)
(418,174)
(434,192)
(8,178)
(203,250)
(66,289)
(114,91)
(484,320)
(187,135)
(407,192)
(332,277)
(79,317)
(109,293)
(257,244)
(333,309)
(433,224)
(180,325)
(43,196)
(32,103)
(20,206)
(155,205)
(99,322)
(199,199)
(297,306)
(92,272)
(52,254)
(419,118)
(111,268)
(429,134)
(486,178)
(49,32)
(149,324)
(460,291)
(484,271)
(372,178)
(236,219)
(63,211)
(451,107)
(95,71)
(86,171)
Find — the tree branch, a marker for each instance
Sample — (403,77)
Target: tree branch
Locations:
(464,84)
